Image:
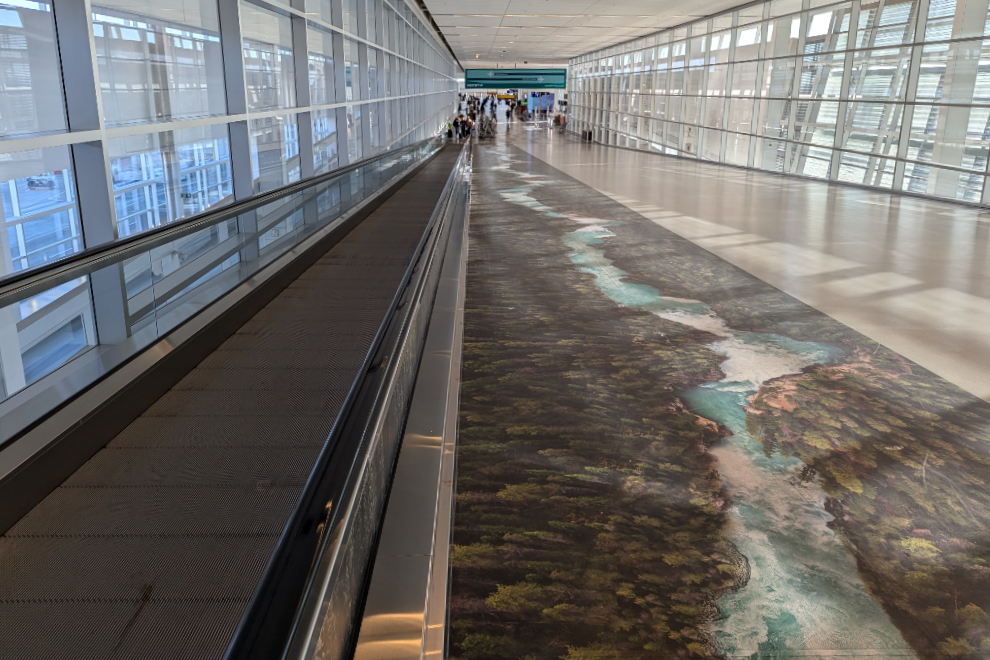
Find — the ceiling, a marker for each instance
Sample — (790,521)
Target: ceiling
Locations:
(542,33)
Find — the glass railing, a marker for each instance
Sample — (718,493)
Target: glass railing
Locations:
(67,326)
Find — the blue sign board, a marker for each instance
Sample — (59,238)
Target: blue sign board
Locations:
(515,78)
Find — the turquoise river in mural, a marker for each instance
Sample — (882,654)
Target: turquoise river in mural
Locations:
(803,594)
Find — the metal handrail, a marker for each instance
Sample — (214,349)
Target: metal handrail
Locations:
(46,277)
(332,540)
(285,606)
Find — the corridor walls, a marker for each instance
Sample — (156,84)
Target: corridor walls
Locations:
(891,94)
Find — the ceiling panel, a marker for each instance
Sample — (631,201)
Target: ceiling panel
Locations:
(485,7)
(548,7)
(458,21)
(534,21)
(539,32)
(468,30)
(600,22)
(488,33)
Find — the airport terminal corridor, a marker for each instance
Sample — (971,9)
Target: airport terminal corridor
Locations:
(662,455)
(494,330)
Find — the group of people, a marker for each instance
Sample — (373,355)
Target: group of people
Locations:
(483,113)
(474,107)
(461,127)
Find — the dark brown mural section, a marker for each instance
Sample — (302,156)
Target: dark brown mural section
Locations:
(661,456)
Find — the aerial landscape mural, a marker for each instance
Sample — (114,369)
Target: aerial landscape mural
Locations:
(662,456)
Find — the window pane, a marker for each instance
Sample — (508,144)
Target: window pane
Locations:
(718,47)
(370,22)
(31,101)
(712,145)
(351,71)
(950,135)
(737,149)
(324,140)
(744,79)
(268,72)
(349,15)
(815,122)
(740,115)
(158,62)
(828,30)
(321,75)
(717,79)
(41,222)
(927,180)
(694,80)
(45,342)
(778,78)
(821,76)
(880,74)
(355,148)
(955,73)
(748,40)
(372,73)
(810,160)
(714,112)
(955,19)
(774,116)
(869,170)
(873,127)
(274,152)
(889,27)
(159,178)
(783,36)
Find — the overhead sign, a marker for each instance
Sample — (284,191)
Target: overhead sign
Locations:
(515,78)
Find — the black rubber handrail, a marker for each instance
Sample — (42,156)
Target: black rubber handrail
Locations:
(92,259)
(267,626)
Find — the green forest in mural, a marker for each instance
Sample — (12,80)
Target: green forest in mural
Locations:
(601,512)
(577,468)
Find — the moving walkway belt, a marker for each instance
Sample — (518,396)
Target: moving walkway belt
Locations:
(155,547)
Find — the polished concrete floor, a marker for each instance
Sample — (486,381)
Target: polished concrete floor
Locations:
(685,430)
(910,273)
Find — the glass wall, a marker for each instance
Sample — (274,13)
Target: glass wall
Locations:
(892,94)
(165,102)
(120,116)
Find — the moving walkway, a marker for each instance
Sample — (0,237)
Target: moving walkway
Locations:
(200,425)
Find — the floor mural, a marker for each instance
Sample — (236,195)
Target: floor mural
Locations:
(662,456)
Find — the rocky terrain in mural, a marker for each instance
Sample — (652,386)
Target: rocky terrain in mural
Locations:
(662,456)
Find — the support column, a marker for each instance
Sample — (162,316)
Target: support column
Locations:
(340,88)
(756,141)
(910,93)
(838,140)
(11,362)
(362,80)
(84,113)
(91,167)
(232,47)
(304,120)
(793,147)
(960,82)
(726,100)
(110,304)
(703,104)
